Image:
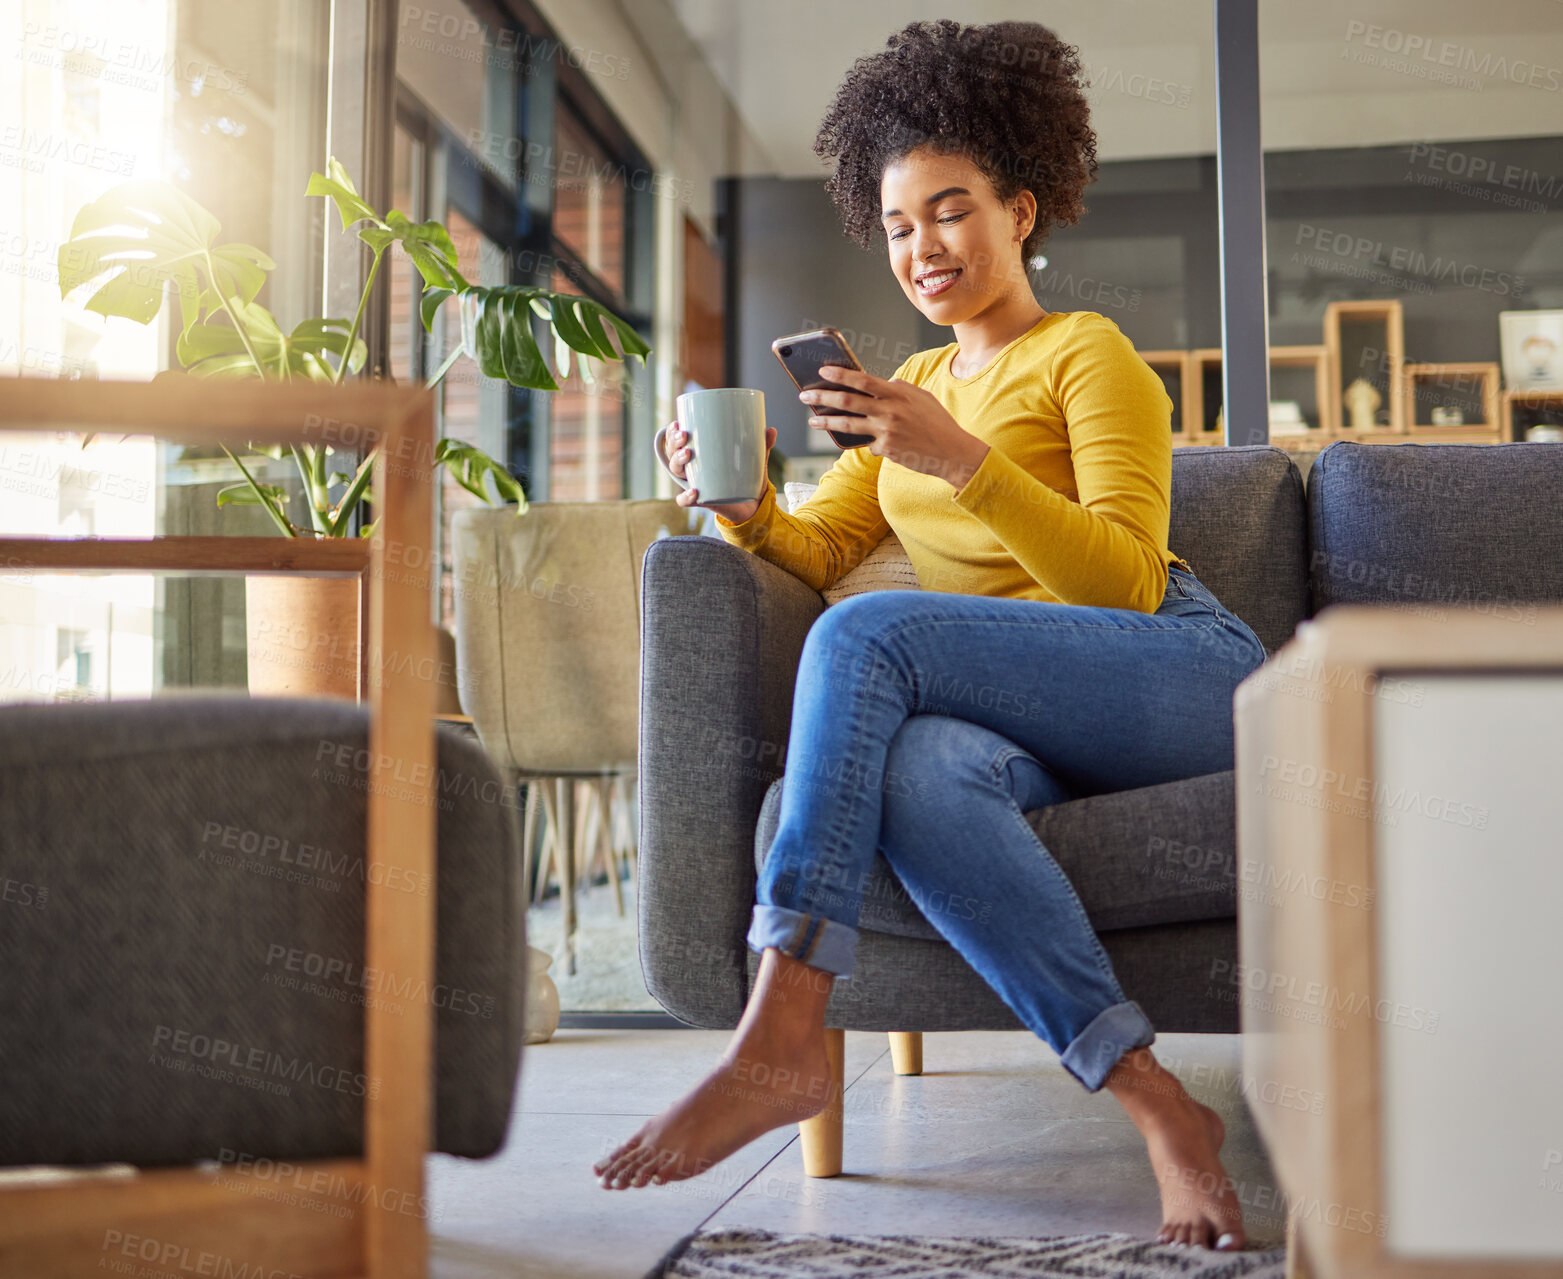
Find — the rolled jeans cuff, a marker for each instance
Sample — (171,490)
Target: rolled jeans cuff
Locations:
(1112,1032)
(810,939)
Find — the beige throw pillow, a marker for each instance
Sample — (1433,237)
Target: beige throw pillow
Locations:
(885,568)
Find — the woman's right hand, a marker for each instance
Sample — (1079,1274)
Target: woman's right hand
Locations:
(679,454)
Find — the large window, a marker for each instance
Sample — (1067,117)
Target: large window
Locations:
(1414,222)
(535,188)
(228,103)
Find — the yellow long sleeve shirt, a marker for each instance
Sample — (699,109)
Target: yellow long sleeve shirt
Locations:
(1071,504)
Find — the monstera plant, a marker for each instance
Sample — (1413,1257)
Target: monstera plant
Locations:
(142,238)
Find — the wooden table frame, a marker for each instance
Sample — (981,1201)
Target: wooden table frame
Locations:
(371,1219)
(1335,1159)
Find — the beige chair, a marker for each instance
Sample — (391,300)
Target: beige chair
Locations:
(548,664)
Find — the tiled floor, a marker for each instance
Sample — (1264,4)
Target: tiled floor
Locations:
(994,1138)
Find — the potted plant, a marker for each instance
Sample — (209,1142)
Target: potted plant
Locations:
(141,238)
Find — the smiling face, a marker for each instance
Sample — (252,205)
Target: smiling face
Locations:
(954,245)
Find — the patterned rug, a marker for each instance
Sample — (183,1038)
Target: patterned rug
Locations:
(760,1254)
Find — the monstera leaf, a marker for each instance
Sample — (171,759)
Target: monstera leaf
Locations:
(427,244)
(472,468)
(140,239)
(140,236)
(214,349)
(496,328)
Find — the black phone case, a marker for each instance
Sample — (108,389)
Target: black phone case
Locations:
(803,367)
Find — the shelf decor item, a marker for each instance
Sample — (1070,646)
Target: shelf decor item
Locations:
(1361,401)
(1532,347)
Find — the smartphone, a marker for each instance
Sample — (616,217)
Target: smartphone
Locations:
(801,354)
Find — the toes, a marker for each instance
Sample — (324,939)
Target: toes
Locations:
(616,1163)
(651,1171)
(608,1161)
(1232,1241)
(626,1171)
(640,1170)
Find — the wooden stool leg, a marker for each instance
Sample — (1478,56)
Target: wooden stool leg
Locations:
(906,1052)
(583,873)
(548,855)
(536,857)
(821,1135)
(622,784)
(618,846)
(528,828)
(564,842)
(605,841)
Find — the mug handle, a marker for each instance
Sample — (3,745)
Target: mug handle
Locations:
(657,448)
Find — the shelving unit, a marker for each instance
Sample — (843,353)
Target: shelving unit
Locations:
(1204,359)
(1465,378)
(1391,362)
(1526,400)
(1175,362)
(1327,360)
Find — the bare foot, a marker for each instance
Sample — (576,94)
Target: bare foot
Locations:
(774,1072)
(1198,1200)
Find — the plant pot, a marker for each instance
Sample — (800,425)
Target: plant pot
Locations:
(542,998)
(302,635)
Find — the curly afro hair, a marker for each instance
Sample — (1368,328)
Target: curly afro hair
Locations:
(1009,96)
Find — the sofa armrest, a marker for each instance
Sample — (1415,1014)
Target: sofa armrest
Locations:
(721,634)
(182,934)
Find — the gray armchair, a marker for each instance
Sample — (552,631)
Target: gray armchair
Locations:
(722,632)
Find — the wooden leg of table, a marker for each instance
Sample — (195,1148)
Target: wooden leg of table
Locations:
(821,1136)
(564,842)
(906,1052)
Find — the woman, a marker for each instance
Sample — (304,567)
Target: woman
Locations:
(1057,648)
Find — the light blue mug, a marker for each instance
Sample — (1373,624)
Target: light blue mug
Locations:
(726,429)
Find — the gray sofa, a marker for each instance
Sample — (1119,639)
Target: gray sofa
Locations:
(182,934)
(722,630)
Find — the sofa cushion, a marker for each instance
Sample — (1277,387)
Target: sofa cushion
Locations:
(187,974)
(1239,518)
(1462,525)
(885,568)
(1154,855)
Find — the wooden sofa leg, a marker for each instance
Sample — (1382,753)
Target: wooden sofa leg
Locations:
(821,1135)
(906,1052)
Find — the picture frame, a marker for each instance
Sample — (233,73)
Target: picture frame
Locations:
(1532,347)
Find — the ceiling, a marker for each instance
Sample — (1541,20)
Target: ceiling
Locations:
(1328,75)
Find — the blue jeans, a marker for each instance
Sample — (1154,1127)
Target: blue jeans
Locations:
(926,723)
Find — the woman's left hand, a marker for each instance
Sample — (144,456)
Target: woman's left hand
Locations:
(909,425)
